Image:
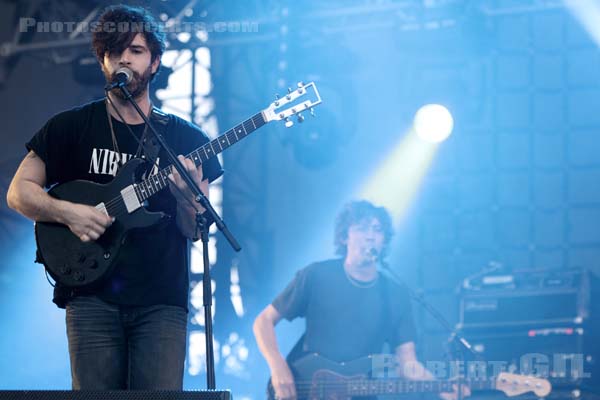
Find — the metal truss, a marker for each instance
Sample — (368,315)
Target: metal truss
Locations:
(326,17)
(33,29)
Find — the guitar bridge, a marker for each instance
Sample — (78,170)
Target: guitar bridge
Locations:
(102,208)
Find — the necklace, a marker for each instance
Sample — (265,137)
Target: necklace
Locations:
(112,130)
(361,284)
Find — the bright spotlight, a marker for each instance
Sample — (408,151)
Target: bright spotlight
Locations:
(433,123)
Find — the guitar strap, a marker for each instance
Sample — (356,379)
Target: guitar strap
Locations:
(160,121)
(385,310)
(299,350)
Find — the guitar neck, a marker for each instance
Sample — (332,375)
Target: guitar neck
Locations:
(368,387)
(154,184)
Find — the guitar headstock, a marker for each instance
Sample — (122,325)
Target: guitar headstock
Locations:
(514,385)
(303,99)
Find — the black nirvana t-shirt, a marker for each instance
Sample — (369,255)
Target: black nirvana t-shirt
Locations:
(345,321)
(152,265)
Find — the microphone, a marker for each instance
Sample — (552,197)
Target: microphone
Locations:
(122,78)
(373,253)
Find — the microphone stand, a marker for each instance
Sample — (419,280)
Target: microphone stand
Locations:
(203,226)
(458,342)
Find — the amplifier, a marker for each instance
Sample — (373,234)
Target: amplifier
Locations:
(541,317)
(526,298)
(114,395)
(565,355)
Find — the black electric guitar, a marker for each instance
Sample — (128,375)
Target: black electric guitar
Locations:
(76,264)
(319,378)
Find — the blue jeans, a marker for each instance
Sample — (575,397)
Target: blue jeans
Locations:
(125,348)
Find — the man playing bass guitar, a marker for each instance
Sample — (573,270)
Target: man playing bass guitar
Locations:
(351,310)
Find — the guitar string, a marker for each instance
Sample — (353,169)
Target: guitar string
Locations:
(369,383)
(413,382)
(121,207)
(381,389)
(256,117)
(304,390)
(419,386)
(117,207)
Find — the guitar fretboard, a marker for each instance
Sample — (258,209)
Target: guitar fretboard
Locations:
(154,184)
(367,387)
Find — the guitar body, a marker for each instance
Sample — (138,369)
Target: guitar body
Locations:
(308,365)
(317,377)
(74,263)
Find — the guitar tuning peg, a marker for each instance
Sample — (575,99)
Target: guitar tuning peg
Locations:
(289,90)
(288,123)
(300,118)
(312,112)
(289,94)
(276,100)
(300,84)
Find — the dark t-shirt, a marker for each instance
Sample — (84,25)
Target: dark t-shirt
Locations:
(152,265)
(344,321)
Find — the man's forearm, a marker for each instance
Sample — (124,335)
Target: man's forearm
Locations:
(264,332)
(186,211)
(32,201)
(186,220)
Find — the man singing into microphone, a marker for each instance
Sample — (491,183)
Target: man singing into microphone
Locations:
(130,331)
(351,310)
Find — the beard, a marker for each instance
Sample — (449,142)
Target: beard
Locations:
(137,86)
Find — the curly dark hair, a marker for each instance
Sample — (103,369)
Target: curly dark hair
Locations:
(117,27)
(355,212)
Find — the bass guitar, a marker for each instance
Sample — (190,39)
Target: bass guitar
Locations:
(319,378)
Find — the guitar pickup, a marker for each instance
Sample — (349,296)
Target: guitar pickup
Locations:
(130,199)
